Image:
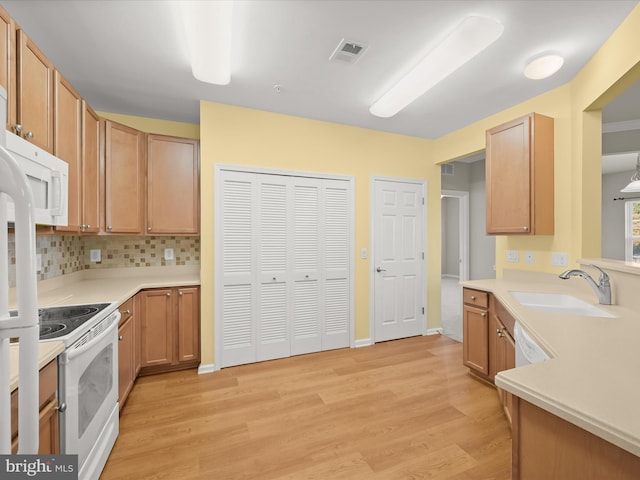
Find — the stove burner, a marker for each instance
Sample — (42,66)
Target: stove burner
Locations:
(50,328)
(57,322)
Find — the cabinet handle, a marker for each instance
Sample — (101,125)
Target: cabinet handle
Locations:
(28,135)
(168,294)
(127,312)
(120,337)
(483,314)
(525,228)
(148,229)
(180,293)
(17,129)
(306,276)
(274,279)
(473,297)
(62,407)
(88,226)
(109,227)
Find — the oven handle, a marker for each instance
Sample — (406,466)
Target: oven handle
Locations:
(76,352)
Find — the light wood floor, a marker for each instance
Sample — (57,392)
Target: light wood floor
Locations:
(400,409)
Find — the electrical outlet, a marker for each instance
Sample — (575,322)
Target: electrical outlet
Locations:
(529,257)
(168,253)
(559,259)
(513,256)
(95,255)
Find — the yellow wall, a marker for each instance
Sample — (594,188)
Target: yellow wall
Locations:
(241,136)
(154,125)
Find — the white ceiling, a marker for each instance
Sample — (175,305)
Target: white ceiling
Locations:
(128,56)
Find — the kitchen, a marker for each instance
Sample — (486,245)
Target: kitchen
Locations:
(362,153)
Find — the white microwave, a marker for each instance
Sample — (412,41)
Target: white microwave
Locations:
(48,177)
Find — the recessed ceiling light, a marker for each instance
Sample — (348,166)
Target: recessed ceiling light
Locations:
(543,67)
(467,40)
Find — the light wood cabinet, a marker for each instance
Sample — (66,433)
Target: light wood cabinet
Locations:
(547,447)
(502,349)
(173,179)
(519,177)
(475,325)
(127,343)
(48,402)
(90,199)
(123,179)
(35,94)
(67,145)
(8,63)
(170,329)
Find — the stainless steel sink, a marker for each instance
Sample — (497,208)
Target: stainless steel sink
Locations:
(558,303)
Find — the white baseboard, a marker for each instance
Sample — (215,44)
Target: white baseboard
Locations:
(364,342)
(206,368)
(434,331)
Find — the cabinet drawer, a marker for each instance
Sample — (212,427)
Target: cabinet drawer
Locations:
(477,298)
(126,310)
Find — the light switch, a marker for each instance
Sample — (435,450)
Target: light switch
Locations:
(512,256)
(168,253)
(559,259)
(363,253)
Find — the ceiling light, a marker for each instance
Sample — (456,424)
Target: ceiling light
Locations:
(543,67)
(634,185)
(207,25)
(467,40)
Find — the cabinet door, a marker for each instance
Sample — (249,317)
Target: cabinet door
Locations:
(508,178)
(476,342)
(125,360)
(156,317)
(188,321)
(90,198)
(35,93)
(67,145)
(8,64)
(173,196)
(124,179)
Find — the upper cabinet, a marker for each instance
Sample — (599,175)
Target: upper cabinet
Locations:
(8,63)
(67,145)
(90,191)
(172,185)
(519,176)
(35,94)
(123,179)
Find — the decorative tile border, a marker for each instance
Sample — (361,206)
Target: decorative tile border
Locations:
(64,254)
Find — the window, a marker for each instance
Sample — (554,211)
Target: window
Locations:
(632,231)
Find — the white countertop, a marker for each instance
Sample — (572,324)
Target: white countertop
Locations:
(97,286)
(592,378)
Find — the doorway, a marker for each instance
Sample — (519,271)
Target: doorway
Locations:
(398,265)
(455,259)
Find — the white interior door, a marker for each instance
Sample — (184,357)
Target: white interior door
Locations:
(398,261)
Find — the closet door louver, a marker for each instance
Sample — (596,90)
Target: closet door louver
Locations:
(285,256)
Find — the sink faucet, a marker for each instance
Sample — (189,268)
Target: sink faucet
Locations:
(602,288)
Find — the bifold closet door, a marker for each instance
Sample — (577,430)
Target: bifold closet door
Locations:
(285,257)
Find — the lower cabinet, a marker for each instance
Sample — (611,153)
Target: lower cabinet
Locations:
(488,345)
(170,329)
(127,350)
(548,447)
(48,402)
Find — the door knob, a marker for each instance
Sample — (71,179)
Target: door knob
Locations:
(380,269)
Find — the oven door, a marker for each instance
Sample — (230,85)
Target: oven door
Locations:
(88,389)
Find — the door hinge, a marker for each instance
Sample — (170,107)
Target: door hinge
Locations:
(423,310)
(423,255)
(423,200)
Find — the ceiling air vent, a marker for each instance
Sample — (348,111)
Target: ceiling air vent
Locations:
(348,51)
(446,169)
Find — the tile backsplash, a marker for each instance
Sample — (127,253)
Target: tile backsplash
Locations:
(64,254)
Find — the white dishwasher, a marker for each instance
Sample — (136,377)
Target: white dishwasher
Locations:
(527,350)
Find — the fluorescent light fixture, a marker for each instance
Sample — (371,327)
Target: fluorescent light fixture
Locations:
(543,67)
(467,40)
(634,185)
(207,26)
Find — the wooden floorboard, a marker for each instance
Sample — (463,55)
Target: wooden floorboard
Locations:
(405,409)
